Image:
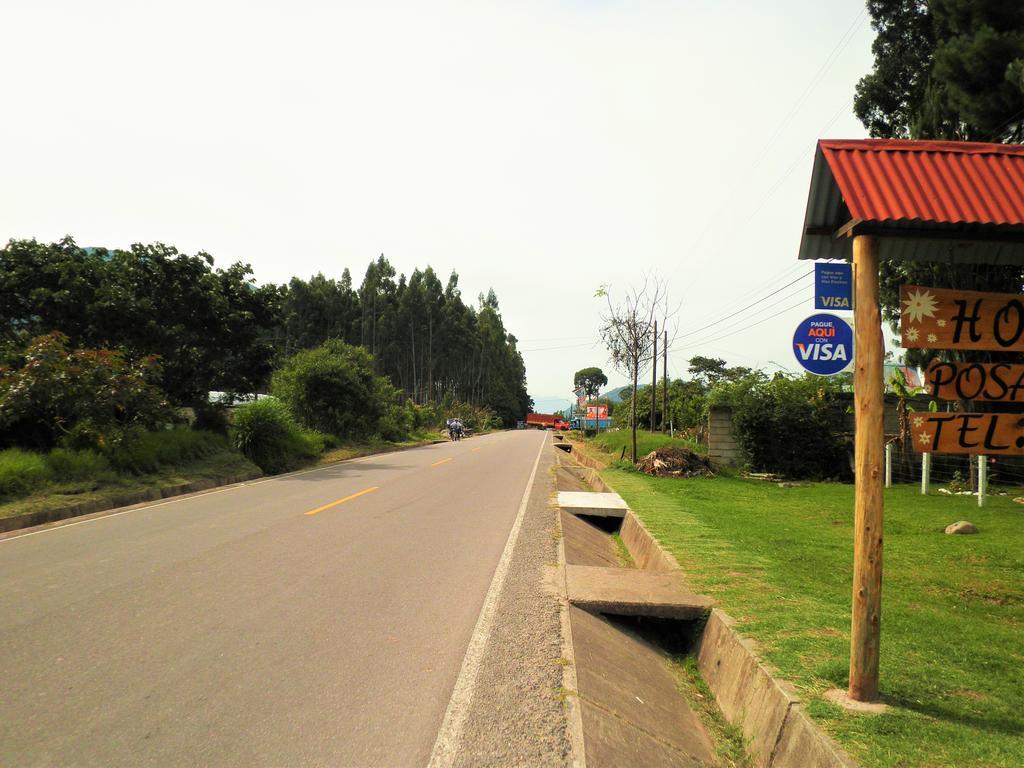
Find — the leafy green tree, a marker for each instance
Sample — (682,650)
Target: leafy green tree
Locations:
(711,371)
(591,379)
(687,405)
(84,397)
(318,309)
(333,389)
(208,326)
(945,69)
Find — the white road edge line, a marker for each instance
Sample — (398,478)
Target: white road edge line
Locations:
(443,753)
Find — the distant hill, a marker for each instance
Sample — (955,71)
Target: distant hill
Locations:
(615,395)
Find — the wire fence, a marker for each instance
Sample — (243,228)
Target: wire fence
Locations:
(952,473)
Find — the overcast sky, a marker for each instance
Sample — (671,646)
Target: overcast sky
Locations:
(539,148)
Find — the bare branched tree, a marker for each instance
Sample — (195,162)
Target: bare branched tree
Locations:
(627,330)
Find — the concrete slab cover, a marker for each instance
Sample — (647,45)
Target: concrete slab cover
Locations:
(632,592)
(637,702)
(586,544)
(592,503)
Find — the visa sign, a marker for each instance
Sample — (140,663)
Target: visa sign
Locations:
(823,344)
(833,286)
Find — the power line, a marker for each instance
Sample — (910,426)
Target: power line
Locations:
(691,345)
(802,155)
(738,311)
(830,60)
(775,303)
(826,65)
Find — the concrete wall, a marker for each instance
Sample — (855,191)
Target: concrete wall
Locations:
(722,447)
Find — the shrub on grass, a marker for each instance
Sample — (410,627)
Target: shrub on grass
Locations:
(180,446)
(67,465)
(267,433)
(793,426)
(21,472)
(138,452)
(334,389)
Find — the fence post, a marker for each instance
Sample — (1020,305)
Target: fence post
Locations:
(926,471)
(888,465)
(982,479)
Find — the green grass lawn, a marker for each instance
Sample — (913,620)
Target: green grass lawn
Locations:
(612,442)
(779,560)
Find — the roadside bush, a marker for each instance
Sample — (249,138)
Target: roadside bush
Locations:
(138,452)
(793,427)
(395,423)
(334,389)
(90,394)
(267,433)
(21,472)
(67,465)
(211,417)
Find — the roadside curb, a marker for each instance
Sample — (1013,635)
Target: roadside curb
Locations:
(156,493)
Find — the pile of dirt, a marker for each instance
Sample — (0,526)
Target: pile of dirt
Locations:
(673,461)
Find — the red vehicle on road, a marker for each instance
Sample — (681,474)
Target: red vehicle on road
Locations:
(546,421)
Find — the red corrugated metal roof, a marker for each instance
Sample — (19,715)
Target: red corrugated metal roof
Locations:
(939,181)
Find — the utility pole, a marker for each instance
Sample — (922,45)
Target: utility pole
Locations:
(664,380)
(654,375)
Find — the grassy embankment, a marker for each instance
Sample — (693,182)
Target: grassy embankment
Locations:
(612,442)
(366,448)
(780,561)
(40,482)
(37,482)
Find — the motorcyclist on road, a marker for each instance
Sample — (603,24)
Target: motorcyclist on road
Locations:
(455,428)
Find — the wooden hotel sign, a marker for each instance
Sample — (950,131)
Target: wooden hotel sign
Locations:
(975,381)
(993,434)
(938,318)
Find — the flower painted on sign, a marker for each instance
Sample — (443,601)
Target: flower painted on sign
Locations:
(918,421)
(920,305)
(912,334)
(940,323)
(925,438)
(932,338)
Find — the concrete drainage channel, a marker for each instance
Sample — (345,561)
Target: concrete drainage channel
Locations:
(625,619)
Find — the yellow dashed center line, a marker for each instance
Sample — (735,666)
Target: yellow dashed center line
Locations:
(442,461)
(342,501)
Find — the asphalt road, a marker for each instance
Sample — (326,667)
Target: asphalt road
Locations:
(237,628)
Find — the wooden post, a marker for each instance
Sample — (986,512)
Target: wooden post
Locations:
(664,378)
(926,472)
(982,479)
(868,394)
(654,376)
(888,465)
